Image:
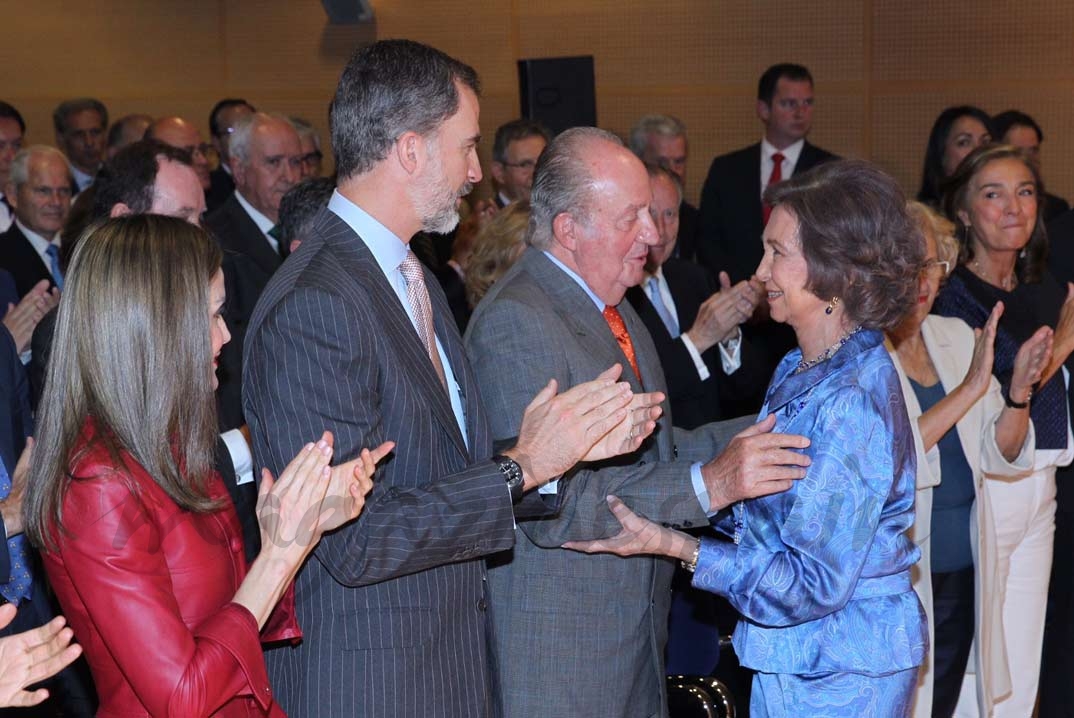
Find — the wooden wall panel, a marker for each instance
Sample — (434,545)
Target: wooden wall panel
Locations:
(884,68)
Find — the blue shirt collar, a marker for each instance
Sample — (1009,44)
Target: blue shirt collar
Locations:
(581,282)
(388,249)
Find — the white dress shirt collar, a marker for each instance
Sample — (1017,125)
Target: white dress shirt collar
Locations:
(790,154)
(82,180)
(578,280)
(39,243)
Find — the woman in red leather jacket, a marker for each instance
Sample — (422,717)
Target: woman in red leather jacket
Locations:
(140,540)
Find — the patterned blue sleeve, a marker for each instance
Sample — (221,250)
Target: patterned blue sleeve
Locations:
(807,565)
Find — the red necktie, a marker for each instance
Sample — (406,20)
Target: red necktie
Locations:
(775,178)
(619,330)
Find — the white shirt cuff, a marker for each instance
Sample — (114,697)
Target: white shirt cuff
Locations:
(700,490)
(241,458)
(731,352)
(552,487)
(699,363)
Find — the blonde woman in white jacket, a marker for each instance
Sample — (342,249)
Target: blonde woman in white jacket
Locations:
(943,365)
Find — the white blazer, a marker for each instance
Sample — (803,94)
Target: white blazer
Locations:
(949,342)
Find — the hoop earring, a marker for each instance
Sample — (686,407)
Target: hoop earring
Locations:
(832,305)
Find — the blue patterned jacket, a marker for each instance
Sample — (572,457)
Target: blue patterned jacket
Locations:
(821,573)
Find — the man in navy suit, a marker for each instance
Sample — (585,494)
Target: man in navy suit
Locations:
(353,336)
(732,216)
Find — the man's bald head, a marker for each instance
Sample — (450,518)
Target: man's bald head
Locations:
(182,134)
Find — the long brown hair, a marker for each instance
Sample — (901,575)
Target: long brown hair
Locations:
(131,351)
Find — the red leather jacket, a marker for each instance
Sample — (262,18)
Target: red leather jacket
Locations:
(147,588)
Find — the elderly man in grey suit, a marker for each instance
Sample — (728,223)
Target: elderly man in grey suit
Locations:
(353,336)
(579,635)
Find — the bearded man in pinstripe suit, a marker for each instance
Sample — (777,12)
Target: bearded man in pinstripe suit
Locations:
(352,335)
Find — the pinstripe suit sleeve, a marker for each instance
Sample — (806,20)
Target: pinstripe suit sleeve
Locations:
(511,366)
(314,364)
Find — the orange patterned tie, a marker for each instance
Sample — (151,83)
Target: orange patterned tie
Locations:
(615,323)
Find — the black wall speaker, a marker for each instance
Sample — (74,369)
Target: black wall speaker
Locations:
(348,12)
(559,92)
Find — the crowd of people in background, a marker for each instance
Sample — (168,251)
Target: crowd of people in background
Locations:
(845,414)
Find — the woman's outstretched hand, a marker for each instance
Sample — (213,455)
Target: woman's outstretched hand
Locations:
(350,484)
(639,536)
(288,508)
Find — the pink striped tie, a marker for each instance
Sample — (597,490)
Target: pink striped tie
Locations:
(418,296)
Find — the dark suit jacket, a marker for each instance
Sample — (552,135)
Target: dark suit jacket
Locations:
(249,263)
(689,221)
(730,214)
(1061,247)
(220,188)
(693,402)
(20,258)
(16,422)
(393,606)
(8,293)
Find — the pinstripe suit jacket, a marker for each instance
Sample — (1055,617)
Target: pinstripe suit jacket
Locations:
(392,606)
(580,635)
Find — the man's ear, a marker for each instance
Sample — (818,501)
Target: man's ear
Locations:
(564,231)
(119,209)
(498,172)
(763,111)
(410,151)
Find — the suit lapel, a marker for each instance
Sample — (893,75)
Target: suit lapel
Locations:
(254,243)
(395,325)
(578,311)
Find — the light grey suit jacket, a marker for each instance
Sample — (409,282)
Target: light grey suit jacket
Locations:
(393,606)
(575,634)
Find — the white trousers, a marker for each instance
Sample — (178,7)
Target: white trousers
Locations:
(1024,512)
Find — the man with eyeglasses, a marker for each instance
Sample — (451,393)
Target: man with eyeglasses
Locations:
(183,135)
(312,157)
(661,140)
(81,127)
(515,150)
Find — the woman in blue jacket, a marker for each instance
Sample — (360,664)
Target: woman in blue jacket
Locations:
(821,572)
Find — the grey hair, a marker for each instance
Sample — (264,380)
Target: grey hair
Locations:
(562,182)
(20,166)
(663,125)
(387,89)
(239,142)
(305,129)
(655,171)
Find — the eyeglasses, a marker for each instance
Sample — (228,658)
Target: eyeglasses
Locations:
(935,268)
(523,165)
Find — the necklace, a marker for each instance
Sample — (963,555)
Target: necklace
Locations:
(1008,285)
(827,353)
